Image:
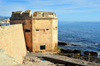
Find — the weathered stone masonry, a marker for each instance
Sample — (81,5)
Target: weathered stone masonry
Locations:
(41,29)
(12,41)
(25,19)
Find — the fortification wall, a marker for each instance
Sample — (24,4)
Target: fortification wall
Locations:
(27,26)
(21,14)
(12,40)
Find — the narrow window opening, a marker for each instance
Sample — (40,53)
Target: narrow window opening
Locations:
(27,31)
(42,47)
(47,29)
(43,14)
(37,29)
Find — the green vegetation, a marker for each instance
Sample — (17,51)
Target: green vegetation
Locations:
(59,48)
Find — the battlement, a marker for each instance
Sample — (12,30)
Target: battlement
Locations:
(41,14)
(21,14)
(27,14)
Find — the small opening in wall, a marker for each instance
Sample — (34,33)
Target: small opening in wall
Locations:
(43,14)
(47,29)
(42,47)
(37,29)
(27,30)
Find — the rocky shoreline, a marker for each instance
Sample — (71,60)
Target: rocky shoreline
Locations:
(73,57)
(51,59)
(78,54)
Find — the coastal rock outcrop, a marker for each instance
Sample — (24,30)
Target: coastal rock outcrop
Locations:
(91,53)
(75,45)
(76,51)
(68,51)
(62,50)
(62,43)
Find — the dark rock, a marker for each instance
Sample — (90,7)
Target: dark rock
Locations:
(68,51)
(62,43)
(92,59)
(62,50)
(86,52)
(91,53)
(75,45)
(76,51)
(94,54)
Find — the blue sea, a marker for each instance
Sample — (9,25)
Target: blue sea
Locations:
(4,24)
(86,34)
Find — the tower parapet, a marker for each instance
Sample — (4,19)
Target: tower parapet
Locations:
(21,14)
(26,14)
(41,14)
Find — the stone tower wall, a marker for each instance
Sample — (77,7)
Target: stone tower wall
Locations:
(54,34)
(25,19)
(44,31)
(41,34)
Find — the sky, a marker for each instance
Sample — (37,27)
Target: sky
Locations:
(66,10)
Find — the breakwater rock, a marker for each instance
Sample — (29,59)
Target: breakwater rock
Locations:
(91,53)
(63,43)
(88,56)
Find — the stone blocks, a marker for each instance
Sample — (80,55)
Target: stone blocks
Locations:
(12,41)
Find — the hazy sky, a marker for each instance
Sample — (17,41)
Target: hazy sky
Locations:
(66,10)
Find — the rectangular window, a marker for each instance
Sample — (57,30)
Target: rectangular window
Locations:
(42,47)
(37,29)
(47,29)
(27,30)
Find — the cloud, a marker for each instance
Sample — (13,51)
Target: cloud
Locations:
(58,6)
(67,5)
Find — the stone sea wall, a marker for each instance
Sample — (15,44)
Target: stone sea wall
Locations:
(12,41)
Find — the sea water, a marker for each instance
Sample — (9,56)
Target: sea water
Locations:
(85,34)
(4,24)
